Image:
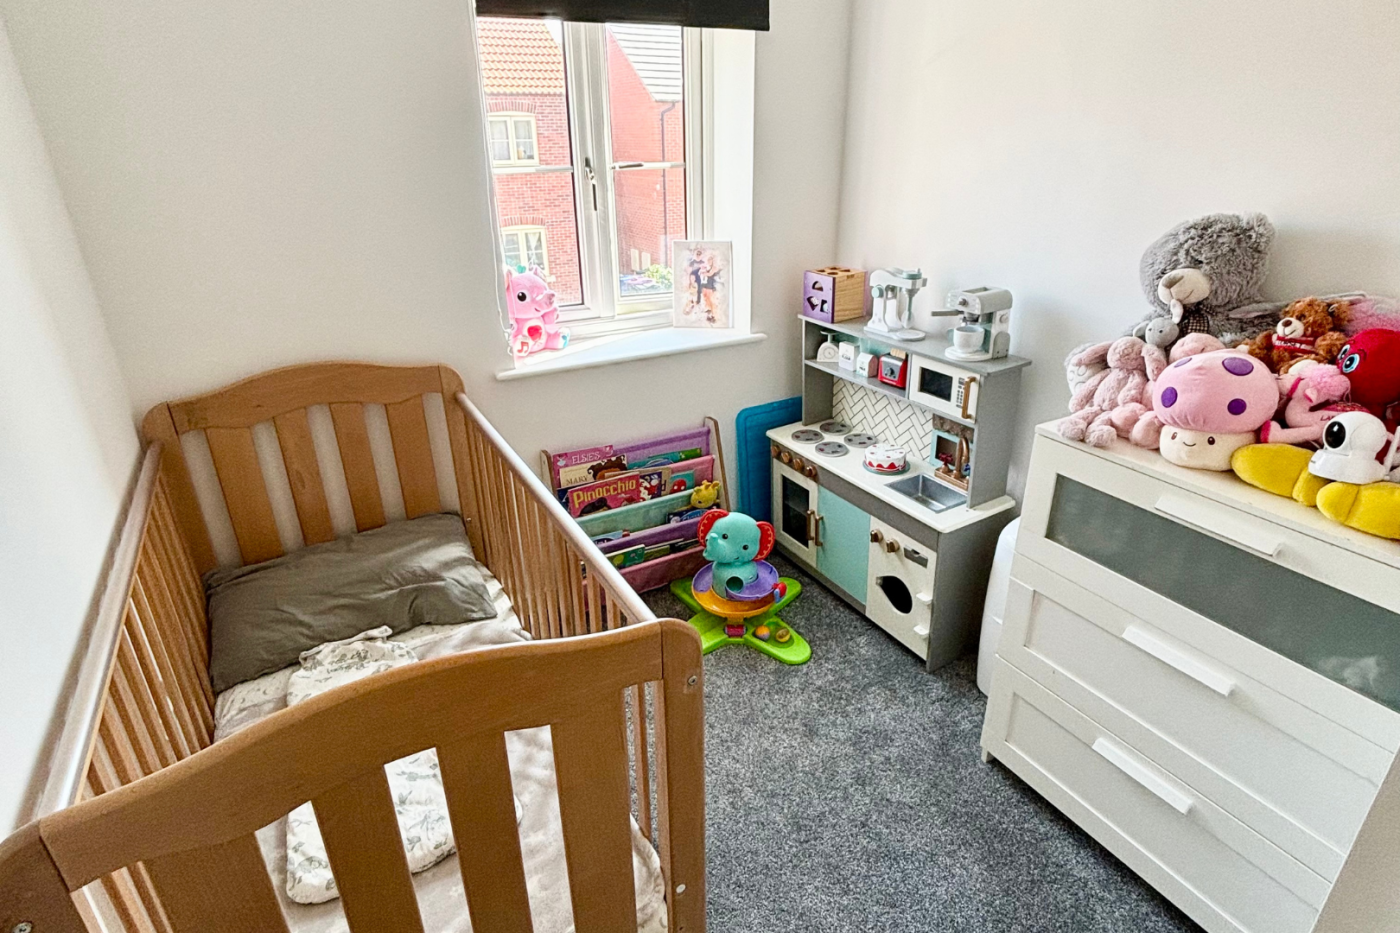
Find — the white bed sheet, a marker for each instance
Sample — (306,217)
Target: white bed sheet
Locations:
(441,899)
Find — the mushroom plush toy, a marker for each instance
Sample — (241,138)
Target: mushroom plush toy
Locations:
(1211,405)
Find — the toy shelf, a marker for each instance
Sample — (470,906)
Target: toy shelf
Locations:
(928,347)
(877,386)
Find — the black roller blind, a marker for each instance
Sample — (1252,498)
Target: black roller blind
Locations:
(716,14)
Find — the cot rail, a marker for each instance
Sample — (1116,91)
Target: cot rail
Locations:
(561,583)
(189,830)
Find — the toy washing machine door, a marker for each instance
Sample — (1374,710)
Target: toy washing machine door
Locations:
(899,588)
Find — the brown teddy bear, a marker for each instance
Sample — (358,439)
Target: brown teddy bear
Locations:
(1308,329)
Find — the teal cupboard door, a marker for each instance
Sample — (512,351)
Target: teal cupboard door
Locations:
(844,554)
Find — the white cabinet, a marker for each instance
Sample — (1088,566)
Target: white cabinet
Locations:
(1223,652)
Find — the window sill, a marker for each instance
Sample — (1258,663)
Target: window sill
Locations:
(622,348)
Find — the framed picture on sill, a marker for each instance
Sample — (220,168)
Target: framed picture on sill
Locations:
(703,272)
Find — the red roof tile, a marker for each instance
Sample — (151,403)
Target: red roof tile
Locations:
(519,56)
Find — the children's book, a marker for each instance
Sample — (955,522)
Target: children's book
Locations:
(591,471)
(616,491)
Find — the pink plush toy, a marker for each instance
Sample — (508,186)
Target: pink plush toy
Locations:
(1148,430)
(1210,405)
(1111,402)
(1310,401)
(534,316)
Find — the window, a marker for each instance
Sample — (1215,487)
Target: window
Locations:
(512,139)
(595,137)
(524,247)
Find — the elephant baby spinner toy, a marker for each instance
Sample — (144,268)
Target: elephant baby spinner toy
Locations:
(534,317)
(736,597)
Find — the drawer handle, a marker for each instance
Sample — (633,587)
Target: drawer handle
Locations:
(1180,660)
(1143,775)
(1217,522)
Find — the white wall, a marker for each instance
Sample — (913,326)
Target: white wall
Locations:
(1041,146)
(257,183)
(67,442)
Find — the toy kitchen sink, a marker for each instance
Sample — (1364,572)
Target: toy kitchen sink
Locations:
(910,549)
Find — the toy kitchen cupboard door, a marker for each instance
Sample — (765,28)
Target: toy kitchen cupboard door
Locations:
(843,548)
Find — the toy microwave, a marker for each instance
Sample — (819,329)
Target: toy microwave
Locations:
(944,388)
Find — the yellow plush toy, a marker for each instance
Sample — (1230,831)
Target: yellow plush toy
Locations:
(1374,508)
(1281,469)
(1345,479)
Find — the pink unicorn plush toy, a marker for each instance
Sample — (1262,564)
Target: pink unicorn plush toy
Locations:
(534,317)
(1311,400)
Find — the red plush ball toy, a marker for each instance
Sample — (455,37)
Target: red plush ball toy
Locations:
(1371,360)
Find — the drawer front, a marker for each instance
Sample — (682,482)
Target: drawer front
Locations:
(1290,774)
(1225,876)
(1312,620)
(899,587)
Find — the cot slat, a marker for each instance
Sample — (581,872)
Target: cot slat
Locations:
(481,802)
(366,854)
(134,716)
(159,426)
(245,493)
(121,891)
(464,473)
(115,735)
(413,455)
(190,668)
(590,760)
(304,475)
(168,665)
(150,900)
(356,455)
(155,680)
(185,568)
(184,626)
(223,887)
(158,726)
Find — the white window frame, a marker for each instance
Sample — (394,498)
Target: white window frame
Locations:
(509,117)
(521,230)
(604,311)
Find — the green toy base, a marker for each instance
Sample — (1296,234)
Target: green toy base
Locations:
(711,627)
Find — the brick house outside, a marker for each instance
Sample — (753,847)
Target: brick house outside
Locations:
(523,74)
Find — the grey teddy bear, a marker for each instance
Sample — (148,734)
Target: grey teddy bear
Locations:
(1204,276)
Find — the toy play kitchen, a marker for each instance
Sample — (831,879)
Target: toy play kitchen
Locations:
(891,490)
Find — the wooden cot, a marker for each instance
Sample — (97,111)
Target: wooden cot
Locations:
(144,827)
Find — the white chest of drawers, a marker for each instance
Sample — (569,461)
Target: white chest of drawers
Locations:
(1205,677)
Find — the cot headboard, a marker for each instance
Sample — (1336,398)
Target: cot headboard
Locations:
(286,398)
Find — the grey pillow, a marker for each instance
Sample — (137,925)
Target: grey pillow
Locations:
(405,574)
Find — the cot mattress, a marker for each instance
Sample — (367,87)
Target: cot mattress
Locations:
(441,899)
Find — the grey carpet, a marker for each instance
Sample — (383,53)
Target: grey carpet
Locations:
(849,795)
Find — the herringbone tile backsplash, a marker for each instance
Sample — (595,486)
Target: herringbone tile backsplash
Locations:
(891,420)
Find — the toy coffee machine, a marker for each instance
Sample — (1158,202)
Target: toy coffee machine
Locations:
(985,331)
